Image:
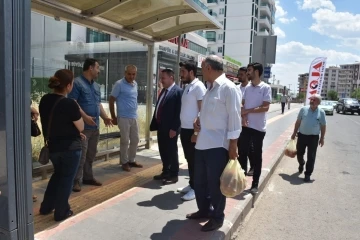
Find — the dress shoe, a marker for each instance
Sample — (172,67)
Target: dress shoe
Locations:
(307,178)
(62,218)
(161,176)
(254,188)
(197,215)
(135,165)
(92,182)
(126,167)
(76,187)
(211,225)
(170,180)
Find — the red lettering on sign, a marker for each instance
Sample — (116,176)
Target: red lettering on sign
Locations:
(315,74)
(318,66)
(184,42)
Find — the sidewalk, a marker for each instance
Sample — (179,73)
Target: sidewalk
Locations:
(152,211)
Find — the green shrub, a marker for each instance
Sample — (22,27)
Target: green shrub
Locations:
(38,142)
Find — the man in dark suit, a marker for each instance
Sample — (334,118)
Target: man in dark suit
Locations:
(166,121)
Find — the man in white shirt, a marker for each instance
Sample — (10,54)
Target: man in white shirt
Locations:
(245,83)
(218,129)
(190,108)
(256,102)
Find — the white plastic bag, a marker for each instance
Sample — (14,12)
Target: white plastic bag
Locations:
(290,149)
(233,179)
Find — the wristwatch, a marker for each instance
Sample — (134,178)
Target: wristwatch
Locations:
(196,133)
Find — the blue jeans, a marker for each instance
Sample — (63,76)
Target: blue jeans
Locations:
(209,165)
(61,182)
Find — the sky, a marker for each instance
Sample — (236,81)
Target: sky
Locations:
(307,29)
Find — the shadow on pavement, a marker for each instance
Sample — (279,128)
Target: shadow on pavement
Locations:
(293,179)
(165,201)
(185,229)
(157,184)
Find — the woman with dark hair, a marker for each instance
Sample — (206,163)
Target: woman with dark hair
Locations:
(61,126)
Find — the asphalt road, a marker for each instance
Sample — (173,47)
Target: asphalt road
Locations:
(325,209)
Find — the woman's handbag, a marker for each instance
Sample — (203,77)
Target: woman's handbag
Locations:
(44,156)
(35,130)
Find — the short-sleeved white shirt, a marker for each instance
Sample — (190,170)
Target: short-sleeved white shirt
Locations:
(254,97)
(242,89)
(193,93)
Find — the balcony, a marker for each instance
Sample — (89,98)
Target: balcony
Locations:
(212,13)
(264,22)
(211,36)
(201,4)
(211,3)
(272,32)
(265,10)
(263,32)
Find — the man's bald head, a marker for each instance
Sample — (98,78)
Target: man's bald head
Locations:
(212,67)
(215,62)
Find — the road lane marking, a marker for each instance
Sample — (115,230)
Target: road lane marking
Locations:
(353,120)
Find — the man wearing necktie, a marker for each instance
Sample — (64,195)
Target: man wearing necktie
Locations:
(166,121)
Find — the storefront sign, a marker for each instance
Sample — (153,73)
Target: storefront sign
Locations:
(200,58)
(174,52)
(231,69)
(227,58)
(184,42)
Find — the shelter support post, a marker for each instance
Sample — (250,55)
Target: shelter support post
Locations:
(177,68)
(149,94)
(16,207)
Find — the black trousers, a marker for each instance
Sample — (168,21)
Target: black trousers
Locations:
(169,153)
(251,149)
(282,107)
(209,165)
(189,152)
(61,183)
(255,137)
(310,142)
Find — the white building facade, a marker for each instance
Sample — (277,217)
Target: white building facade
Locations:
(242,20)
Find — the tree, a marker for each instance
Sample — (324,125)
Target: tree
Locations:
(356,93)
(332,95)
(301,95)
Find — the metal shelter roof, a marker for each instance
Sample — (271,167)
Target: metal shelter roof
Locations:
(145,21)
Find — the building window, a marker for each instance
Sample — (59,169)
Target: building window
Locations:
(68,31)
(220,37)
(95,36)
(211,36)
(220,49)
(197,48)
(222,0)
(221,11)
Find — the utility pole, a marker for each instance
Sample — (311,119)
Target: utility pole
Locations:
(289,88)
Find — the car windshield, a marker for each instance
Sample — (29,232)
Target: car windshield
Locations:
(326,103)
(350,101)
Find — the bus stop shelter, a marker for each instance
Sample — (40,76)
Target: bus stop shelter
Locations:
(144,21)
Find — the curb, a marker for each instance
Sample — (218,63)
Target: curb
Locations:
(247,201)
